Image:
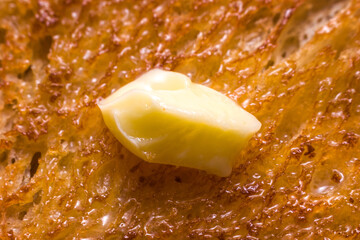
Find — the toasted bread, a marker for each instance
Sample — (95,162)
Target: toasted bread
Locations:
(294,64)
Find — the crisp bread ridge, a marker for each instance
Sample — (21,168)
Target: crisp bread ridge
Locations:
(64,176)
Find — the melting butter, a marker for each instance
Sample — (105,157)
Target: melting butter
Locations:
(163,117)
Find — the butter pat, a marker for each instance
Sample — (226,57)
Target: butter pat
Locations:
(163,117)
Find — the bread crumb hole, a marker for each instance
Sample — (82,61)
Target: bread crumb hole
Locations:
(34,163)
(2,35)
(22,215)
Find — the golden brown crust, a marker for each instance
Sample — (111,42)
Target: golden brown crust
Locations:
(294,64)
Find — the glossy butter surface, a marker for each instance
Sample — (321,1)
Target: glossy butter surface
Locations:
(163,117)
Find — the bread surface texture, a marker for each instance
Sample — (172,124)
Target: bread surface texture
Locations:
(294,64)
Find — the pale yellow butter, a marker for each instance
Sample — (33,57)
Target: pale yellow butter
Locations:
(163,117)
